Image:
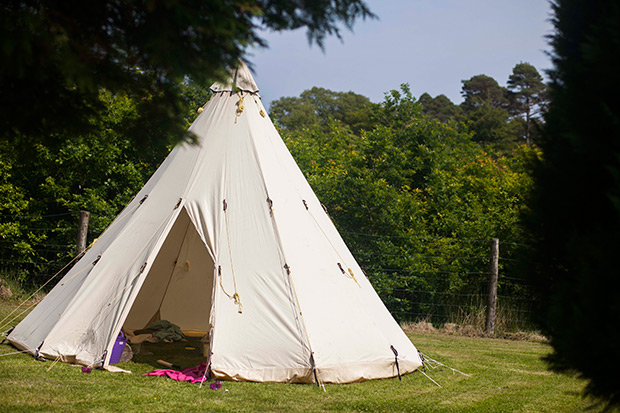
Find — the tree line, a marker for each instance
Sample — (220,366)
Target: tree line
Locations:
(499,117)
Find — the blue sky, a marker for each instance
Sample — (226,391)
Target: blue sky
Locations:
(430,44)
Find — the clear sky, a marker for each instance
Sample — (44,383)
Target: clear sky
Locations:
(430,44)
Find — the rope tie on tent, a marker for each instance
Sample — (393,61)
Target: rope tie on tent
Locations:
(428,362)
(353,277)
(261,111)
(428,377)
(56,360)
(396,361)
(318,381)
(120,293)
(316,377)
(207,374)
(37,354)
(433,364)
(349,273)
(6,334)
(240,107)
(103,357)
(15,352)
(235,296)
(270,204)
(83,269)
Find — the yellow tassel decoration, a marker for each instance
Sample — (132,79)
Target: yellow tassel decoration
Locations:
(240,108)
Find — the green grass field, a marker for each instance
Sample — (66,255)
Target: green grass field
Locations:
(505,376)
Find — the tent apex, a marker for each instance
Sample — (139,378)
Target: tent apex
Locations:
(240,78)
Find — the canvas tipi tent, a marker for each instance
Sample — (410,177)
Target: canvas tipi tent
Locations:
(227,238)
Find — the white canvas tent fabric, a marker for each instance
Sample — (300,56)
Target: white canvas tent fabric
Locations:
(228,238)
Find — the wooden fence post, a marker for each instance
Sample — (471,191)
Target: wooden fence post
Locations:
(492,287)
(82,232)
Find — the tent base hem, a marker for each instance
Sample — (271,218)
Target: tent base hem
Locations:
(339,374)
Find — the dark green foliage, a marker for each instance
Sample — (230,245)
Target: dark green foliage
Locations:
(55,56)
(577,208)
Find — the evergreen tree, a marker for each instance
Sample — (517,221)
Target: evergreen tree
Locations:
(577,208)
(485,109)
(481,90)
(439,107)
(528,95)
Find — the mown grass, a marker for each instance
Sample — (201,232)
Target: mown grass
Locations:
(505,376)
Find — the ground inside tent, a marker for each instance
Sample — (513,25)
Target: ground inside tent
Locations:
(180,353)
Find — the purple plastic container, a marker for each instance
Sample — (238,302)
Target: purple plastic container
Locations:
(117,350)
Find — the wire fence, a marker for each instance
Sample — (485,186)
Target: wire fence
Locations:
(434,279)
(451,284)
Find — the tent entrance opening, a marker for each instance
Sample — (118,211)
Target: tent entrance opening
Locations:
(179,285)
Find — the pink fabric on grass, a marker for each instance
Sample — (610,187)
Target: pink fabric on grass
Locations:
(191,374)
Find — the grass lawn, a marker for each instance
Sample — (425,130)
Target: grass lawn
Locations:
(505,376)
